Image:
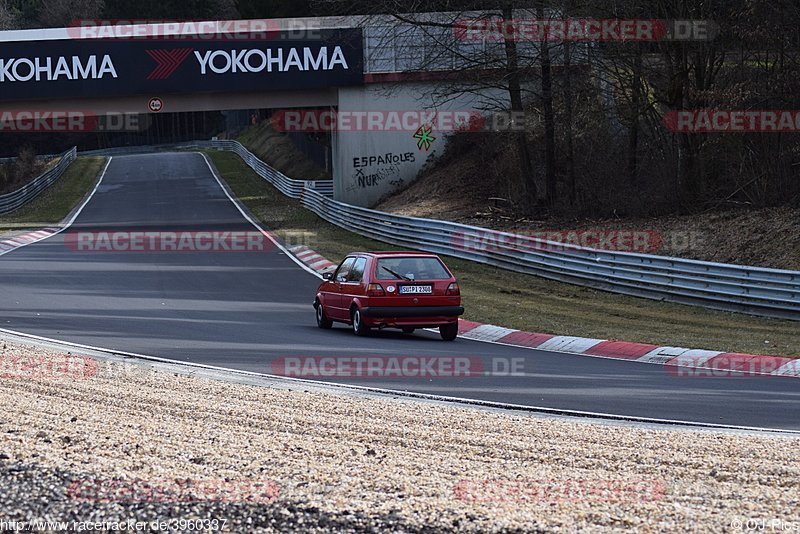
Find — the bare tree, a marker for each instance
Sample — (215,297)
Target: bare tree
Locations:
(58,13)
(8,18)
(599,119)
(500,74)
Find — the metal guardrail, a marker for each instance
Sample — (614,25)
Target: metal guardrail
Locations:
(145,149)
(753,290)
(758,291)
(23,195)
(287,186)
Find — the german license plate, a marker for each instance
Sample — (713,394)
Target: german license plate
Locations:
(416,290)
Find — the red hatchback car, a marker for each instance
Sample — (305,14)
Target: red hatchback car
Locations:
(405,290)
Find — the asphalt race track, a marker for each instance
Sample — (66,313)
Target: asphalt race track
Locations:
(243,310)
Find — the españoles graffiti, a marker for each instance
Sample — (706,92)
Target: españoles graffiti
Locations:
(383,159)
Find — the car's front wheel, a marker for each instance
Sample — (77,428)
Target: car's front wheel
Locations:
(449,331)
(359,328)
(322,319)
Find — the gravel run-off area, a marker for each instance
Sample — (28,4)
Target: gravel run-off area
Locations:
(86,440)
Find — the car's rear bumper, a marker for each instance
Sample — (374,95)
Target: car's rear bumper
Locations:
(385,312)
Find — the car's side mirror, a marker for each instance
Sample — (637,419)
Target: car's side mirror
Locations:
(327,276)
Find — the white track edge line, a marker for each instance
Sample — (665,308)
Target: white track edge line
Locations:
(74,215)
(411,394)
(254,223)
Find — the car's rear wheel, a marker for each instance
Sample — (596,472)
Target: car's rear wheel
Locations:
(449,331)
(408,329)
(359,328)
(322,319)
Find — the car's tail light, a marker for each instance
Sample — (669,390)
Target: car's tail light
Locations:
(452,289)
(375,290)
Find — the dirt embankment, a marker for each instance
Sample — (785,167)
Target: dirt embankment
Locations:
(277,150)
(463,190)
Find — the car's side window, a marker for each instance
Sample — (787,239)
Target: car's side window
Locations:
(357,272)
(344,269)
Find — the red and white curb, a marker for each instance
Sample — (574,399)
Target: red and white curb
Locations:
(717,362)
(11,243)
(311,258)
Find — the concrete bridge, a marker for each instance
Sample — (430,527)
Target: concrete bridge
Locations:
(387,92)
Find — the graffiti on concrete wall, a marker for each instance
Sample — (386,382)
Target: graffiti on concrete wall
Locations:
(372,170)
(383,159)
(363,180)
(424,137)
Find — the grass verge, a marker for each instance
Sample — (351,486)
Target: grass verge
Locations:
(58,200)
(525,302)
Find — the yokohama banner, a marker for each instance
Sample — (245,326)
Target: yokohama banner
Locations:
(107,67)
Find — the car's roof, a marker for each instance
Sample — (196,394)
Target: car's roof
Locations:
(379,254)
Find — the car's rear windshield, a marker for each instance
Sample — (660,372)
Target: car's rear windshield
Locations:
(416,268)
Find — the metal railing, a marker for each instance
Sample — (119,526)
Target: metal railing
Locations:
(146,149)
(23,195)
(753,290)
(287,186)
